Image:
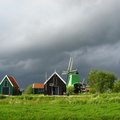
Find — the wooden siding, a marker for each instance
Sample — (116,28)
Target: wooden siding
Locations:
(7,88)
(38,90)
(8,85)
(54,86)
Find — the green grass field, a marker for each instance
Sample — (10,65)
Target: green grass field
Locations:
(82,107)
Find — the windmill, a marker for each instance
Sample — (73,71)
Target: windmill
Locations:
(72,75)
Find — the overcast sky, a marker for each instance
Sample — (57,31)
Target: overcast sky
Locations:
(39,36)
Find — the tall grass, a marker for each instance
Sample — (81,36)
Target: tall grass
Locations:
(29,107)
(94,99)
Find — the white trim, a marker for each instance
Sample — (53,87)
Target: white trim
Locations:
(8,80)
(33,86)
(3,79)
(52,75)
(6,76)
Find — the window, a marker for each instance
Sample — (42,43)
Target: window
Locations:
(6,83)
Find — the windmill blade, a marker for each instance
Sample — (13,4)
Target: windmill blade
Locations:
(83,81)
(70,64)
(64,72)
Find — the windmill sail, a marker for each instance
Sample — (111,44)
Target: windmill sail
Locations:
(70,64)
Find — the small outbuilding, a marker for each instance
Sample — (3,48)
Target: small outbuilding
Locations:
(38,88)
(9,86)
(83,88)
(54,85)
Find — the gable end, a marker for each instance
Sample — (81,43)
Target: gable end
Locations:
(11,81)
(52,76)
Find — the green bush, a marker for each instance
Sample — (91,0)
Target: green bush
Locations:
(116,87)
(29,90)
(92,90)
(70,89)
(2,96)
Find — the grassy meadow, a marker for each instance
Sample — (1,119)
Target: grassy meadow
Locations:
(79,107)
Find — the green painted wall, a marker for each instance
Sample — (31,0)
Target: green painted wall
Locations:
(38,91)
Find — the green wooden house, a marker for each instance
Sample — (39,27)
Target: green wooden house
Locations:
(9,86)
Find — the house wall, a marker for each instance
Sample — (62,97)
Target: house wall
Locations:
(38,90)
(8,85)
(16,91)
(54,82)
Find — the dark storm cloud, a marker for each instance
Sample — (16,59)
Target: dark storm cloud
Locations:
(40,36)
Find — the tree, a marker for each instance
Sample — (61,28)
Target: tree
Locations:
(116,87)
(101,80)
(29,90)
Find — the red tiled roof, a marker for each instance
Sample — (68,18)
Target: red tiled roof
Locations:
(87,88)
(38,85)
(13,81)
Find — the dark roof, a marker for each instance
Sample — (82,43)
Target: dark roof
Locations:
(55,73)
(38,86)
(12,80)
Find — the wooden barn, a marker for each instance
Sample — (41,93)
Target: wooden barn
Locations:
(9,86)
(38,88)
(54,85)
